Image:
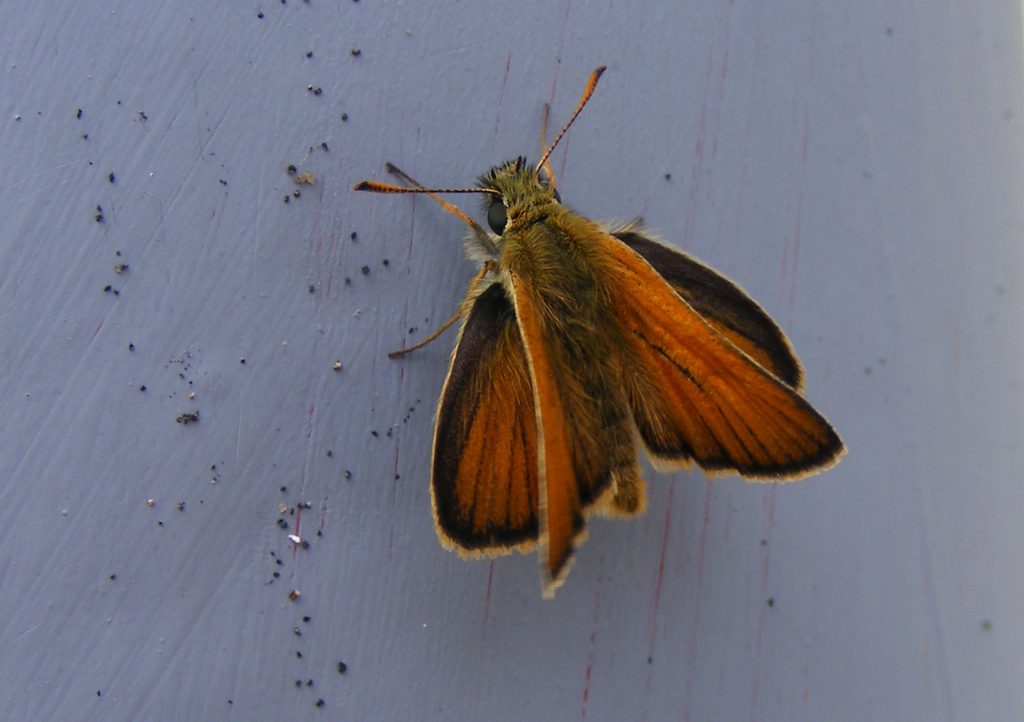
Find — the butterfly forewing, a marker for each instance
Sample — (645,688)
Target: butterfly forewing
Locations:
(721,302)
(586,440)
(696,396)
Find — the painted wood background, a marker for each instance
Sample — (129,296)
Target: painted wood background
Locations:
(856,166)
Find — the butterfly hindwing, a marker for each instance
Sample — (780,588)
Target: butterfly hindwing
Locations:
(484,478)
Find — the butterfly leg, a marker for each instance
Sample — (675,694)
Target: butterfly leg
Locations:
(479,232)
(488,266)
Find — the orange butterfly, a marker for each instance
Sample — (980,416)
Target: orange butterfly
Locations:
(579,338)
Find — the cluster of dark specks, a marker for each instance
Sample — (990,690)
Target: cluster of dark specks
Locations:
(189,417)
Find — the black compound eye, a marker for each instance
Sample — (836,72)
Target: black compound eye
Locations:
(496,217)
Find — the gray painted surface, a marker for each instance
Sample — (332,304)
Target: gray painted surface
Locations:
(858,170)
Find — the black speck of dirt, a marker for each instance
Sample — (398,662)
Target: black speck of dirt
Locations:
(283,489)
(365,270)
(330,454)
(287,199)
(291,170)
(297,193)
(298,654)
(296,631)
(348,280)
(113,577)
(307,619)
(189,417)
(385,262)
(142,116)
(354,236)
(374,434)
(311,288)
(342,667)
(356,52)
(348,474)
(309,53)
(650,660)
(99,214)
(344,117)
(771,601)
(108,289)
(282,523)
(309,683)
(112,178)
(323,147)
(668,176)
(181,506)
(222,181)
(78,114)
(320,703)
(143,388)
(242,360)
(298,683)
(259,15)
(131,347)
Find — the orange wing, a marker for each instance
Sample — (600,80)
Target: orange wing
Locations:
(697,396)
(484,480)
(720,301)
(561,509)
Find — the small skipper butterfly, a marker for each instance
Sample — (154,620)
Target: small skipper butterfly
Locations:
(579,340)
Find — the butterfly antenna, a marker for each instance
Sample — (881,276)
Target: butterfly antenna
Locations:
(417,187)
(587,92)
(546,165)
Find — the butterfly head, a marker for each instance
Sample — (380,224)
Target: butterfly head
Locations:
(515,191)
